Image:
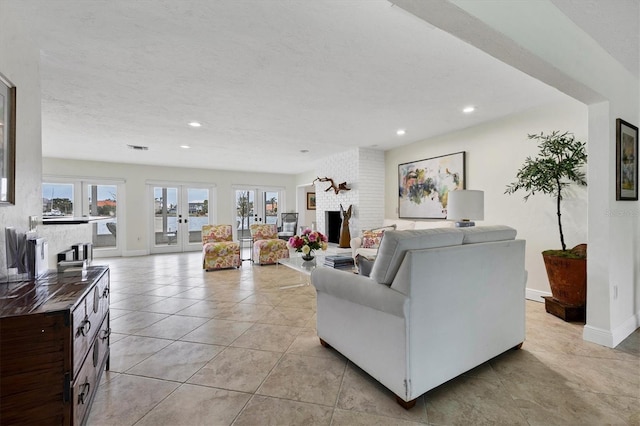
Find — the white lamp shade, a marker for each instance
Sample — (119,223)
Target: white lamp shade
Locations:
(465,205)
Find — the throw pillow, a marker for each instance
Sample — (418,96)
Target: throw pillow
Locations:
(371,239)
(289,227)
(364,264)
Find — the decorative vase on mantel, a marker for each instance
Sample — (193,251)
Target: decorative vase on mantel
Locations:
(307,257)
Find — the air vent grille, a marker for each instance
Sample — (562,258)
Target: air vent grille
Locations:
(139,147)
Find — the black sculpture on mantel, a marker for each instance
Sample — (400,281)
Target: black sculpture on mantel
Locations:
(345,235)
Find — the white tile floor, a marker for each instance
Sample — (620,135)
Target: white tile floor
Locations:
(230,347)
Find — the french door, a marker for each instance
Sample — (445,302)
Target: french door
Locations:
(178,212)
(255,205)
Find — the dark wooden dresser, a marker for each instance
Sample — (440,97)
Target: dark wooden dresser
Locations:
(54,346)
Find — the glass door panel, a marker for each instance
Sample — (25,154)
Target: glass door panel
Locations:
(245,211)
(165,216)
(270,205)
(103,202)
(198,214)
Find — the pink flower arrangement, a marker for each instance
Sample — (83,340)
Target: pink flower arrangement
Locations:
(308,241)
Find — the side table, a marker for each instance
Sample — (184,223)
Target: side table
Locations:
(246,243)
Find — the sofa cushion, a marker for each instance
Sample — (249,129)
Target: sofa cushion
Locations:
(484,234)
(395,244)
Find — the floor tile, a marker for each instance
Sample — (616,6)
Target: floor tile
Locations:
(307,379)
(135,321)
(126,399)
(217,332)
(237,369)
(184,359)
(262,410)
(355,418)
(276,338)
(131,350)
(172,327)
(196,405)
(361,392)
(170,305)
(205,308)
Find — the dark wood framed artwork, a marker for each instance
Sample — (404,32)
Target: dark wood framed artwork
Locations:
(311,200)
(424,185)
(626,161)
(7,141)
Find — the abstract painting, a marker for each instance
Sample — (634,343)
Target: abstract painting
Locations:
(424,185)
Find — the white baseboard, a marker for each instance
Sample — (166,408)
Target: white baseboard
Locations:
(132,253)
(611,338)
(535,295)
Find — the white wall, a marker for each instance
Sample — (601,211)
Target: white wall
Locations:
(494,153)
(19,63)
(136,176)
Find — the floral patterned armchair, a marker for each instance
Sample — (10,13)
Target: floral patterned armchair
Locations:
(267,247)
(218,248)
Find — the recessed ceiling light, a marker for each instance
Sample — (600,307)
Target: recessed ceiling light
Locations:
(468,109)
(400,132)
(195,124)
(185,146)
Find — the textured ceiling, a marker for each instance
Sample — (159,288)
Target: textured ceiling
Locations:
(265,78)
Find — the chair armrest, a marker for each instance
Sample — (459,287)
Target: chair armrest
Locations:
(355,243)
(360,290)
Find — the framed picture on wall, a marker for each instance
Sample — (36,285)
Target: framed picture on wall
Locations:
(626,161)
(311,200)
(423,185)
(7,141)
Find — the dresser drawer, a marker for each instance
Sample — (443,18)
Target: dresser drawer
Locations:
(88,315)
(86,383)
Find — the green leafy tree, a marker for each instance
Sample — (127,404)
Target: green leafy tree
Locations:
(558,164)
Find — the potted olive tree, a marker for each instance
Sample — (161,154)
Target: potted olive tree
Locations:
(559,163)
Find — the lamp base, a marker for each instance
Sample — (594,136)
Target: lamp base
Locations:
(465,224)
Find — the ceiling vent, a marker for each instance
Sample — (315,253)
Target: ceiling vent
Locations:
(138,147)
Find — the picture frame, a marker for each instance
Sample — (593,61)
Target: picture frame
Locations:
(311,200)
(423,185)
(7,141)
(626,161)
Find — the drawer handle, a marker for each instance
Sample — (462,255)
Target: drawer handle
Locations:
(85,326)
(105,293)
(85,388)
(106,333)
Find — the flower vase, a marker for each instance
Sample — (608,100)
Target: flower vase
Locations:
(307,257)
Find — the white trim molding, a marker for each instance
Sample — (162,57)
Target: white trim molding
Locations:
(535,295)
(611,338)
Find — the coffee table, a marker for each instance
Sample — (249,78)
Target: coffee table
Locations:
(305,267)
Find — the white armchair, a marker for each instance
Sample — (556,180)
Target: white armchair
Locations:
(422,319)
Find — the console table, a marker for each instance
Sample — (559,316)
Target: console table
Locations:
(54,345)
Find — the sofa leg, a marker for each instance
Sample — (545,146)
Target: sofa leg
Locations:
(407,405)
(323,343)
(518,346)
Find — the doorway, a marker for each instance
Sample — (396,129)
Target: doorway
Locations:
(255,205)
(178,212)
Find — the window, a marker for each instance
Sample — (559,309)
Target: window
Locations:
(57,199)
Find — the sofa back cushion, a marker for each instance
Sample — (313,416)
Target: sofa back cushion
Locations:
(485,234)
(395,244)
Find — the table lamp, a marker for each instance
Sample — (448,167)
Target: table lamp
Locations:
(465,205)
